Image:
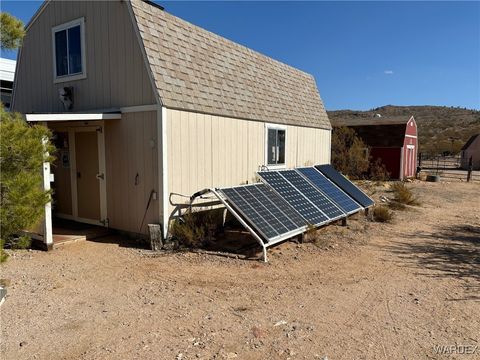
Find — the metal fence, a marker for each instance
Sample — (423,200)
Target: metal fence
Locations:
(447,167)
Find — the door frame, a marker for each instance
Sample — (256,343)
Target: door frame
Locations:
(99,128)
(411,160)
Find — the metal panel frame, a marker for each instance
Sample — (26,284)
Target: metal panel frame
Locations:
(335,185)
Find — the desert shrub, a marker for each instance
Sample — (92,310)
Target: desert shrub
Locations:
(195,228)
(23,150)
(403,195)
(382,214)
(188,231)
(378,171)
(349,153)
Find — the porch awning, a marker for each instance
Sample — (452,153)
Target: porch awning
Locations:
(73,116)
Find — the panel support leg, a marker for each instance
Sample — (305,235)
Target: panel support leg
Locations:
(344,222)
(265,259)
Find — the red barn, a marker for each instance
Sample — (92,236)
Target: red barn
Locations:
(391,139)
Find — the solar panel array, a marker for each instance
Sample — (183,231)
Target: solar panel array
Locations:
(290,200)
(347,186)
(343,201)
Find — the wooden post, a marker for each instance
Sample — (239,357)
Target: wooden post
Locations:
(470,168)
(155,237)
(47,224)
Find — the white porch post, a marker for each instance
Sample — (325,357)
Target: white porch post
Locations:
(47,225)
(163,161)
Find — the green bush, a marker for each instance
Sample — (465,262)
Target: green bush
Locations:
(23,150)
(11,31)
(22,242)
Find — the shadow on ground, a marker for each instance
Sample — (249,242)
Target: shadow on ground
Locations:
(451,251)
(122,240)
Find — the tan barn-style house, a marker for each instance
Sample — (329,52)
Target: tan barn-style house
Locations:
(147,109)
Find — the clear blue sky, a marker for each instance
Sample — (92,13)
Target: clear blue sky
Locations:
(362,54)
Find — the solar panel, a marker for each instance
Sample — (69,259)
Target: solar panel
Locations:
(265,210)
(335,194)
(346,185)
(294,198)
(318,198)
(286,214)
(249,212)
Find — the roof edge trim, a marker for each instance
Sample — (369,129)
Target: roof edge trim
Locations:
(144,53)
(37,14)
(246,119)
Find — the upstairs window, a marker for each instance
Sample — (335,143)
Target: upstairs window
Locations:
(275,152)
(69,51)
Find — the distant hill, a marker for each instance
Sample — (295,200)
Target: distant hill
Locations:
(437,125)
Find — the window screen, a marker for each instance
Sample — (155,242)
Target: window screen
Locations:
(61,52)
(276,147)
(68,51)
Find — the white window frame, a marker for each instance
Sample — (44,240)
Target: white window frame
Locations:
(275,127)
(68,77)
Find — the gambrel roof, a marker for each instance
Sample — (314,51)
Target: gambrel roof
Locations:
(196,70)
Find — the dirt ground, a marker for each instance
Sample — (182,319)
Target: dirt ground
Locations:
(404,290)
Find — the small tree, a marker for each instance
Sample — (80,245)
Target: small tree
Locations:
(11,31)
(349,153)
(23,150)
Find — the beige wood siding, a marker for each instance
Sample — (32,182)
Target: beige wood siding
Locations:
(131,164)
(307,146)
(116,74)
(207,151)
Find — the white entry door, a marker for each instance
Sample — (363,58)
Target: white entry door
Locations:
(410,160)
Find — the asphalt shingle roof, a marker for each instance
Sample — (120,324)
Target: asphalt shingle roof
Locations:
(199,71)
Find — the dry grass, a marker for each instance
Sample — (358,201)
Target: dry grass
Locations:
(403,195)
(195,228)
(382,214)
